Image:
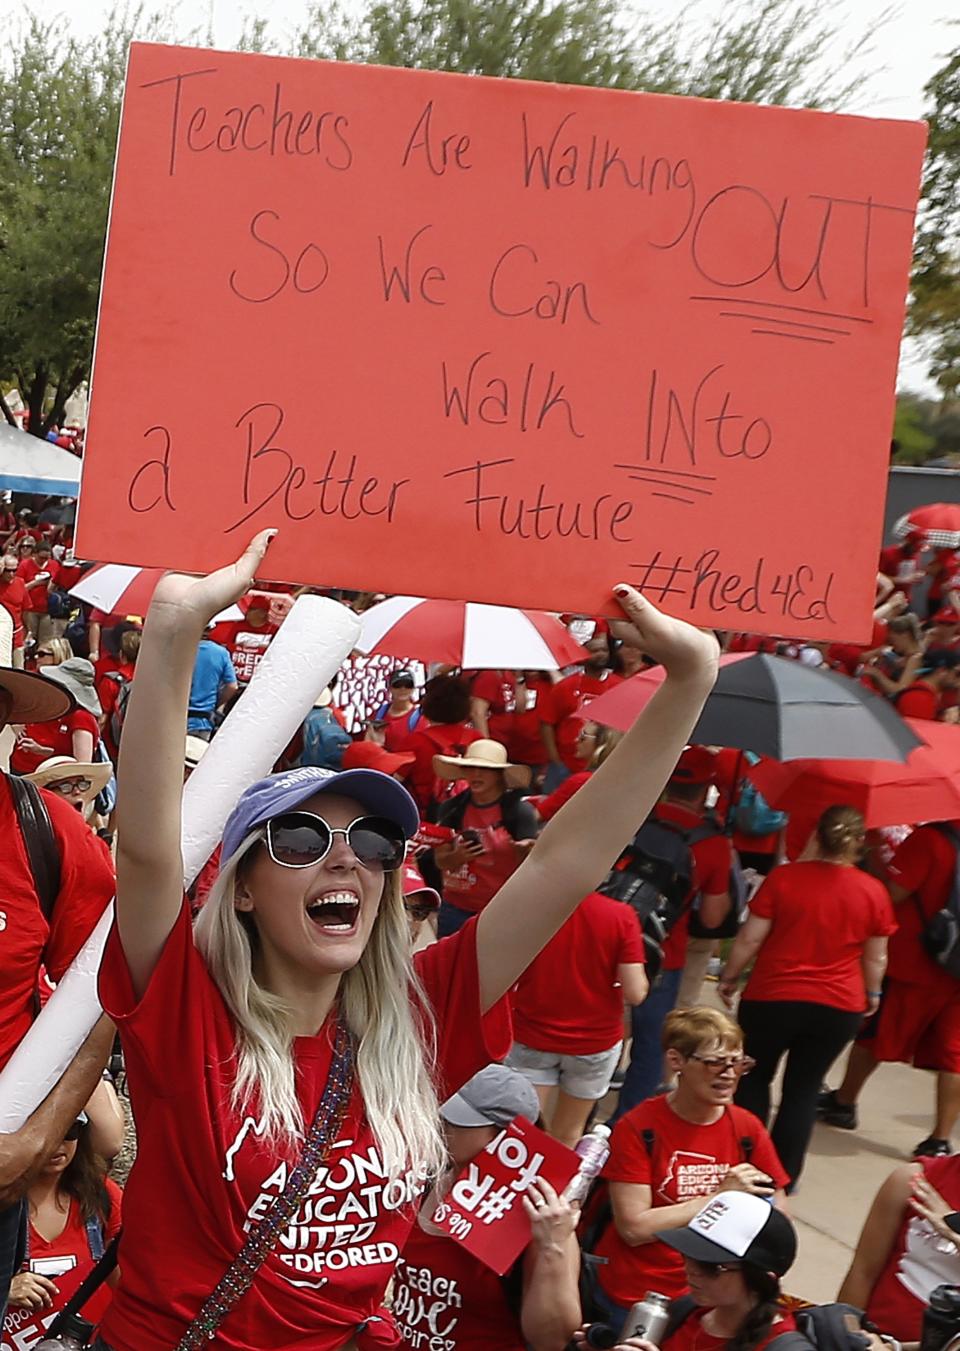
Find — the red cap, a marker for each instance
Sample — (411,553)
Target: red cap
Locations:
(413,884)
(696,765)
(368,755)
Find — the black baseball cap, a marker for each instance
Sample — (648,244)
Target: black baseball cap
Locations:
(402,679)
(739,1227)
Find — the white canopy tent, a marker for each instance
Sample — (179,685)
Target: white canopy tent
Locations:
(29,465)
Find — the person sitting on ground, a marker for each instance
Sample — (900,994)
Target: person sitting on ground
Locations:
(568,1009)
(734,1251)
(816,937)
(495,829)
(536,1305)
(907,1247)
(76,782)
(672,1153)
(73,1211)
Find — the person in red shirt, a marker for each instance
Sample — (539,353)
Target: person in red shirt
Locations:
(112,691)
(302,1029)
(442,729)
(37,571)
(671,1154)
(247,639)
(927,696)
(492,704)
(906,1248)
(684,807)
(901,562)
(443,1295)
(563,709)
(398,717)
(734,1253)
(942,570)
(13,597)
(817,937)
(76,734)
(594,744)
(568,1011)
(496,828)
(919,1018)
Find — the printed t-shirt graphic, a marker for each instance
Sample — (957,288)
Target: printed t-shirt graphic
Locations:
(478,881)
(687,1160)
(329,1269)
(66,1259)
(444,1299)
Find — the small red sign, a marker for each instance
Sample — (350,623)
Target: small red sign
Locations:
(483,1210)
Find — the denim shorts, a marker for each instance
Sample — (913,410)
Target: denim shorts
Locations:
(582,1076)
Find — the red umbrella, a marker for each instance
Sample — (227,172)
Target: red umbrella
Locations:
(462,633)
(940,522)
(117,589)
(924,788)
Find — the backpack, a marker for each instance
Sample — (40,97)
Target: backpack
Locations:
(59,604)
(822,1326)
(653,876)
(754,815)
(40,842)
(119,712)
(324,740)
(940,935)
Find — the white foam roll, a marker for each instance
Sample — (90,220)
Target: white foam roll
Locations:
(304,656)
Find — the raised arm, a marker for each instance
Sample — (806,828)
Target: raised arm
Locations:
(149,862)
(584,839)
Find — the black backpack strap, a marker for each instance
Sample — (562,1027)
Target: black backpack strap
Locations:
(678,1313)
(747,1143)
(789,1341)
(39,839)
(649,1138)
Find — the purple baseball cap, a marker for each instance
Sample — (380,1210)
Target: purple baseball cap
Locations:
(278,793)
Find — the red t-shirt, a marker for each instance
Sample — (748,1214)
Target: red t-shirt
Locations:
(564,708)
(36,595)
(67,1261)
(478,881)
(946,570)
(396,731)
(424,742)
(822,915)
(56,737)
(923,865)
(917,1263)
(686,1161)
(712,859)
(525,745)
(568,999)
(14,597)
(27,941)
(202,1171)
(68,574)
(549,806)
(692,1336)
(247,645)
(498,690)
(444,1299)
(919,700)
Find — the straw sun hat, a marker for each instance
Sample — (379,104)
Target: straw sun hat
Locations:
(65,767)
(482,754)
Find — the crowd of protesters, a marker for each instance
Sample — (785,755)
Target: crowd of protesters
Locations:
(398,964)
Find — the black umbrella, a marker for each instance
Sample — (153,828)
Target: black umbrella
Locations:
(780,708)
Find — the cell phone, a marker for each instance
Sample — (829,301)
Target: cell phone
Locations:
(471,837)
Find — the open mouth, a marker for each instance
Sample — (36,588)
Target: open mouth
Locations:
(336,912)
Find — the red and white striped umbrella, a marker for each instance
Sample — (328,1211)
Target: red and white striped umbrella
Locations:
(117,589)
(461,633)
(939,521)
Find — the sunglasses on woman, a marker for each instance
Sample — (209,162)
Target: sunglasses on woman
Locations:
(301,839)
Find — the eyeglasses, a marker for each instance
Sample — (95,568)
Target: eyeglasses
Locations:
(70,786)
(711,1269)
(301,839)
(717,1064)
(42,653)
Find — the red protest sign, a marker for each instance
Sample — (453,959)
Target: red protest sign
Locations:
(483,1210)
(500,340)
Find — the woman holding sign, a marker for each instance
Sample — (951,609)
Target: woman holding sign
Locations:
(286,1061)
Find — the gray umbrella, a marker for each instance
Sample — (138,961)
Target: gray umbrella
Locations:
(779,708)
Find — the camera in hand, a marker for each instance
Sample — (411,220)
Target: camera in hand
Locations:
(941,1321)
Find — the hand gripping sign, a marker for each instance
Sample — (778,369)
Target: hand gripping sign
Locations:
(482,1211)
(499,340)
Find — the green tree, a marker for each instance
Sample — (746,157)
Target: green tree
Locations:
(935,307)
(771,51)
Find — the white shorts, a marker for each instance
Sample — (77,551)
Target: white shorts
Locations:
(581,1076)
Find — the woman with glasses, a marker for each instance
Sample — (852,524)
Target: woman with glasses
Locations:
(78,783)
(817,938)
(286,1060)
(670,1154)
(52,652)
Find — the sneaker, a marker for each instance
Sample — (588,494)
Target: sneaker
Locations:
(932,1148)
(834,1113)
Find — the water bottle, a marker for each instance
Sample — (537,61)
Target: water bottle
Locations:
(941,1320)
(74,1334)
(648,1319)
(594,1150)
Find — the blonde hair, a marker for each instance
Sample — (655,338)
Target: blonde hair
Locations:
(840,832)
(59,649)
(686,1030)
(395,1045)
(606,740)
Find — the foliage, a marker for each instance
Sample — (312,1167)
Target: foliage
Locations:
(925,430)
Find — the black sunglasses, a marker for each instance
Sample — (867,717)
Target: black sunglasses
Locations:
(301,839)
(74,1132)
